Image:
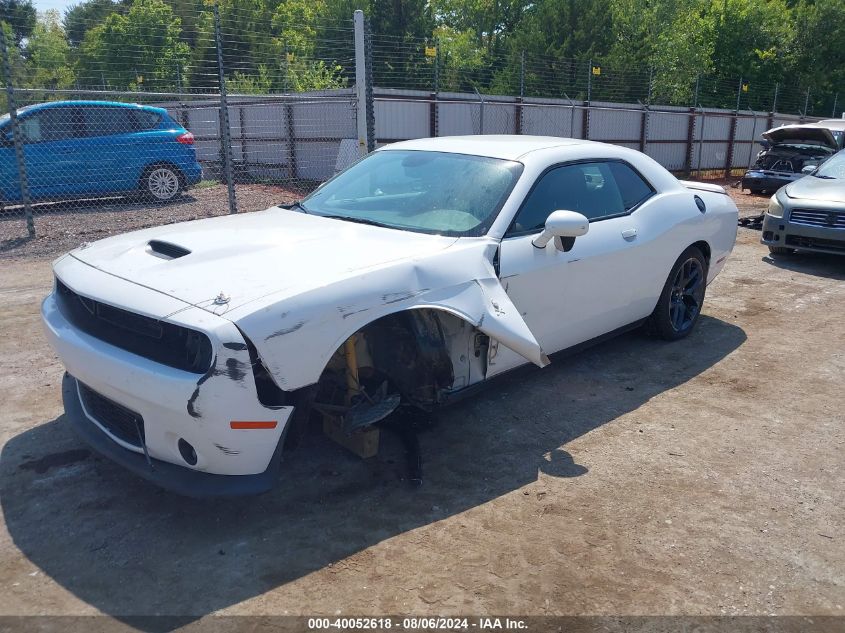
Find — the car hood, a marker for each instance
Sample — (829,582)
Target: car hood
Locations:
(821,189)
(801,134)
(235,259)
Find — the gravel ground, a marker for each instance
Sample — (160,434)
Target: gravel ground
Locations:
(60,227)
(703,477)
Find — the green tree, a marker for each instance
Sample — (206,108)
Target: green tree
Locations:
(817,57)
(246,37)
(137,50)
(558,37)
(85,15)
(20,15)
(48,54)
(489,21)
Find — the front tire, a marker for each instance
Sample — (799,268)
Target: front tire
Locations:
(679,306)
(161,183)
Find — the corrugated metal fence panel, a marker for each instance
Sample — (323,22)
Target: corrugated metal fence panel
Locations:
(610,123)
(552,117)
(320,121)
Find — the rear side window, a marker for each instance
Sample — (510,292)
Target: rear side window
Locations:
(108,121)
(630,184)
(598,190)
(53,124)
(143,120)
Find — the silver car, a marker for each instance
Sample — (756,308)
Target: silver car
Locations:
(809,214)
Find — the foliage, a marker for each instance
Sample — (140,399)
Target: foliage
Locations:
(662,51)
(81,17)
(150,33)
(20,14)
(48,54)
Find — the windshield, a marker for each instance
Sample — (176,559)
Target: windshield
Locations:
(427,192)
(833,167)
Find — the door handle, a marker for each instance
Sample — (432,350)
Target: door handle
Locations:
(629,234)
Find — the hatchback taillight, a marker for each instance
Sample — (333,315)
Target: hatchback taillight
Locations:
(186,139)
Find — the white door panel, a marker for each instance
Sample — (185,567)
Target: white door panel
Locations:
(612,277)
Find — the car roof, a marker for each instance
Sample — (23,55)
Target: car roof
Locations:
(83,103)
(506,146)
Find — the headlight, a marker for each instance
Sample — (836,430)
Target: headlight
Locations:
(775,208)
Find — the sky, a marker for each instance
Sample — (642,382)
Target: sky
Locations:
(59,5)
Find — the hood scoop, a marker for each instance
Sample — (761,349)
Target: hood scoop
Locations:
(166,250)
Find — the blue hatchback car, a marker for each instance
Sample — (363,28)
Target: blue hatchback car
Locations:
(93,148)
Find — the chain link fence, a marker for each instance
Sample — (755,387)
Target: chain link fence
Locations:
(145,115)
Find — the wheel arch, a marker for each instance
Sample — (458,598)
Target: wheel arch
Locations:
(147,168)
(705,249)
(432,330)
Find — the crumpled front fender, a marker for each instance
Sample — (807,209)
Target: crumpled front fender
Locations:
(296,336)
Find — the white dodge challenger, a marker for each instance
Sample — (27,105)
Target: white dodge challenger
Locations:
(196,351)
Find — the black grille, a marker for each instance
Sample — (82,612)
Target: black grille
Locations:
(818,217)
(799,241)
(167,250)
(166,343)
(117,419)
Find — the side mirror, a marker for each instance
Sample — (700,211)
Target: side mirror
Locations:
(808,169)
(564,226)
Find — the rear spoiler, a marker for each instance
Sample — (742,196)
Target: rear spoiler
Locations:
(703,186)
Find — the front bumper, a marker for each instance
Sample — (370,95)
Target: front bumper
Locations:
(759,180)
(173,404)
(178,479)
(782,233)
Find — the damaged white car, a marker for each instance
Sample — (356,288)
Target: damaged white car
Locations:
(194,351)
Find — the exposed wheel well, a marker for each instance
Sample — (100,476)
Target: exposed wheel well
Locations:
(407,349)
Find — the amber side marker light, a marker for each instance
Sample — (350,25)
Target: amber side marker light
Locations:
(246,424)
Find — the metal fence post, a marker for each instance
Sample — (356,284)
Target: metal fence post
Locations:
(369,99)
(701,138)
(588,105)
(690,139)
(225,129)
(16,135)
(432,109)
(835,99)
(480,111)
(771,118)
(753,135)
(517,119)
(360,82)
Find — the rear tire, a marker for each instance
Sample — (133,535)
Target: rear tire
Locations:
(679,306)
(161,183)
(781,250)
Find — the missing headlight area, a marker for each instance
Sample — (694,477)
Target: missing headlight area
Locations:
(157,340)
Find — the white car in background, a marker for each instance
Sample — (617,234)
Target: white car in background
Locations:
(194,350)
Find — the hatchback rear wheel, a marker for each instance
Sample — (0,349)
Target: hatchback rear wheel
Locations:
(162,183)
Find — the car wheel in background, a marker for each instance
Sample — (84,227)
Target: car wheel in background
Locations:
(781,250)
(161,183)
(680,303)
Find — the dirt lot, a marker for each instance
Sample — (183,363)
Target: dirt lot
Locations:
(639,477)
